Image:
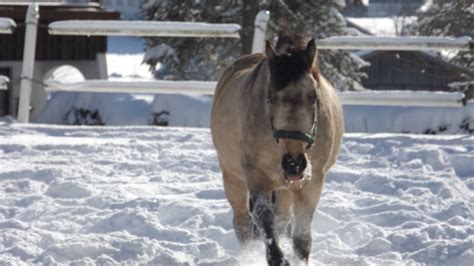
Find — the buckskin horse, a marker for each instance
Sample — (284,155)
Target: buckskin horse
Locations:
(277,126)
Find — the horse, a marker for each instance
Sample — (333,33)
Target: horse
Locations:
(277,127)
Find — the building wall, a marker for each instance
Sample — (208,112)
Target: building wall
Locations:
(383,8)
(407,70)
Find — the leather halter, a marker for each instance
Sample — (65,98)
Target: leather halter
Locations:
(299,135)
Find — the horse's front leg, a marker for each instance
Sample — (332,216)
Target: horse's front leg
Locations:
(264,218)
(305,202)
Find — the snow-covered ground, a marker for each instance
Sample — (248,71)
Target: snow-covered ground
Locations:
(130,195)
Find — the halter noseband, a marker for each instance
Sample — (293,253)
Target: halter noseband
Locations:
(299,135)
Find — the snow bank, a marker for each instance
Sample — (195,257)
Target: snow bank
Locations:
(4,82)
(183,110)
(410,119)
(127,66)
(113,108)
(194,111)
(149,195)
(7,25)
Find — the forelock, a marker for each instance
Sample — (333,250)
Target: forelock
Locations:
(289,67)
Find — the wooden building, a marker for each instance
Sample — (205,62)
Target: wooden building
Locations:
(85,53)
(411,70)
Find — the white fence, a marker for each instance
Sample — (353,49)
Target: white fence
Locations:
(191,29)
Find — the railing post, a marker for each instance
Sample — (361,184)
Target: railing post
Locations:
(27,71)
(261,22)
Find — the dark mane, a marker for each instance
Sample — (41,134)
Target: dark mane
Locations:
(291,63)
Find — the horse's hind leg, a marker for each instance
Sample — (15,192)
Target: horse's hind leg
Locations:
(238,197)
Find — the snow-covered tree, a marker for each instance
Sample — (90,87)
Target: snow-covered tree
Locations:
(449,18)
(205,59)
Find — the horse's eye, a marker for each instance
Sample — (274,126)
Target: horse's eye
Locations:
(312,97)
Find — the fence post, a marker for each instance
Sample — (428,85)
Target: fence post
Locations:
(27,71)
(261,22)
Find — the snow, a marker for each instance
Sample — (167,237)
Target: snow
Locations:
(134,85)
(144,28)
(4,82)
(152,195)
(394,43)
(470,9)
(162,50)
(403,98)
(127,66)
(184,110)
(383,26)
(7,25)
(399,119)
(194,111)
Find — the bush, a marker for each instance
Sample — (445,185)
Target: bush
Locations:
(84,117)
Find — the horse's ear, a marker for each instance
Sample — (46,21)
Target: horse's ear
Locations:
(311,52)
(270,52)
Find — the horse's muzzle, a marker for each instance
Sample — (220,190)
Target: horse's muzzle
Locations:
(294,167)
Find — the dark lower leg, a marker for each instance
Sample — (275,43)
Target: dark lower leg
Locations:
(264,219)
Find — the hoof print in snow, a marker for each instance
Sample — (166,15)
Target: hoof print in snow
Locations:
(67,191)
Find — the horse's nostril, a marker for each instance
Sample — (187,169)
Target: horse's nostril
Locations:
(293,166)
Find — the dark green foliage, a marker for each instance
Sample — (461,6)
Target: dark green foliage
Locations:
(205,59)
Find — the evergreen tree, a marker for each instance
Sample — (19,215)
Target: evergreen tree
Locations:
(205,59)
(449,18)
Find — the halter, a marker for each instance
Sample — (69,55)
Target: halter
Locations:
(299,135)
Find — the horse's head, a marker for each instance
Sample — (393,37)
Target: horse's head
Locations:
(292,104)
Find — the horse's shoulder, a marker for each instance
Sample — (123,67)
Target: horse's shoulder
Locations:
(248,61)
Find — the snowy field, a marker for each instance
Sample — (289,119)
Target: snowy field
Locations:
(129,195)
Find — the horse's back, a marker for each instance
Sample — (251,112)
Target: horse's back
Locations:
(243,64)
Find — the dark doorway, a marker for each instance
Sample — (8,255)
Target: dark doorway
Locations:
(5,95)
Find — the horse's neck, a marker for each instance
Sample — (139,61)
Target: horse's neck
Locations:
(254,95)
